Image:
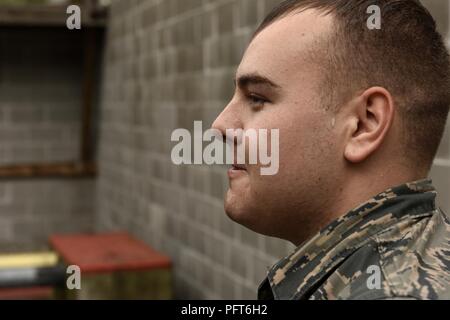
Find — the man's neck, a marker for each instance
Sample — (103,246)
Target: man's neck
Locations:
(355,191)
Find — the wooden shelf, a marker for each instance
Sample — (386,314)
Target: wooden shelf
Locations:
(47,15)
(56,16)
(57,170)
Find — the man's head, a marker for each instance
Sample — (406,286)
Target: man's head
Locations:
(357,109)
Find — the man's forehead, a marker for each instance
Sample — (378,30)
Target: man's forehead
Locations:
(308,21)
(286,42)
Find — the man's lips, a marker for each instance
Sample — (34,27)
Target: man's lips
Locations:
(238,167)
(237,170)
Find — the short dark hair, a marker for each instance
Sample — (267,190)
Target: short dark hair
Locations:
(407,56)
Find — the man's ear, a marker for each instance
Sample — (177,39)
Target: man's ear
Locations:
(372,114)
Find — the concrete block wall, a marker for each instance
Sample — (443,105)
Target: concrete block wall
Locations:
(167,64)
(441,170)
(40,101)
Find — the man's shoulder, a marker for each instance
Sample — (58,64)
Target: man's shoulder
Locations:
(410,260)
(416,260)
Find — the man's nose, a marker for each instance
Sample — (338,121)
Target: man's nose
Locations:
(228,119)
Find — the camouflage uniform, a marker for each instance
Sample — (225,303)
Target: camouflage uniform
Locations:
(399,237)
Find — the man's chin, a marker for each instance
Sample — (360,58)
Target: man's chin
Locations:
(235,209)
(241,213)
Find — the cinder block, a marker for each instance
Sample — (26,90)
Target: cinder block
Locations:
(249,238)
(444,150)
(240,262)
(248,13)
(217,250)
(249,292)
(440,11)
(226,17)
(261,268)
(440,174)
(269,5)
(5,194)
(6,230)
(227,285)
(275,247)
(25,115)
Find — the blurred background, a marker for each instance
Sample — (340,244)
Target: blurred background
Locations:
(85,123)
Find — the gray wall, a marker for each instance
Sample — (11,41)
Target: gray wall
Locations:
(441,170)
(167,64)
(40,99)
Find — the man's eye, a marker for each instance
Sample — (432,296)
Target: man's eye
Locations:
(257,101)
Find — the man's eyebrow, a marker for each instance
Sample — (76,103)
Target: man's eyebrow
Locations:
(245,80)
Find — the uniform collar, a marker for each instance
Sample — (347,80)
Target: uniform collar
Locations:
(300,273)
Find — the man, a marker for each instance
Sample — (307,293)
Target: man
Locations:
(360,112)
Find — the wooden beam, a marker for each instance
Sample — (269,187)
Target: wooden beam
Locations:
(61,170)
(45,15)
(90,42)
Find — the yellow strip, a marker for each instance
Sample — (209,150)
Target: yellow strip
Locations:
(28,260)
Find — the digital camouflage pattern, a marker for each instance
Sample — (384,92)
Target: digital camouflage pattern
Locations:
(400,232)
